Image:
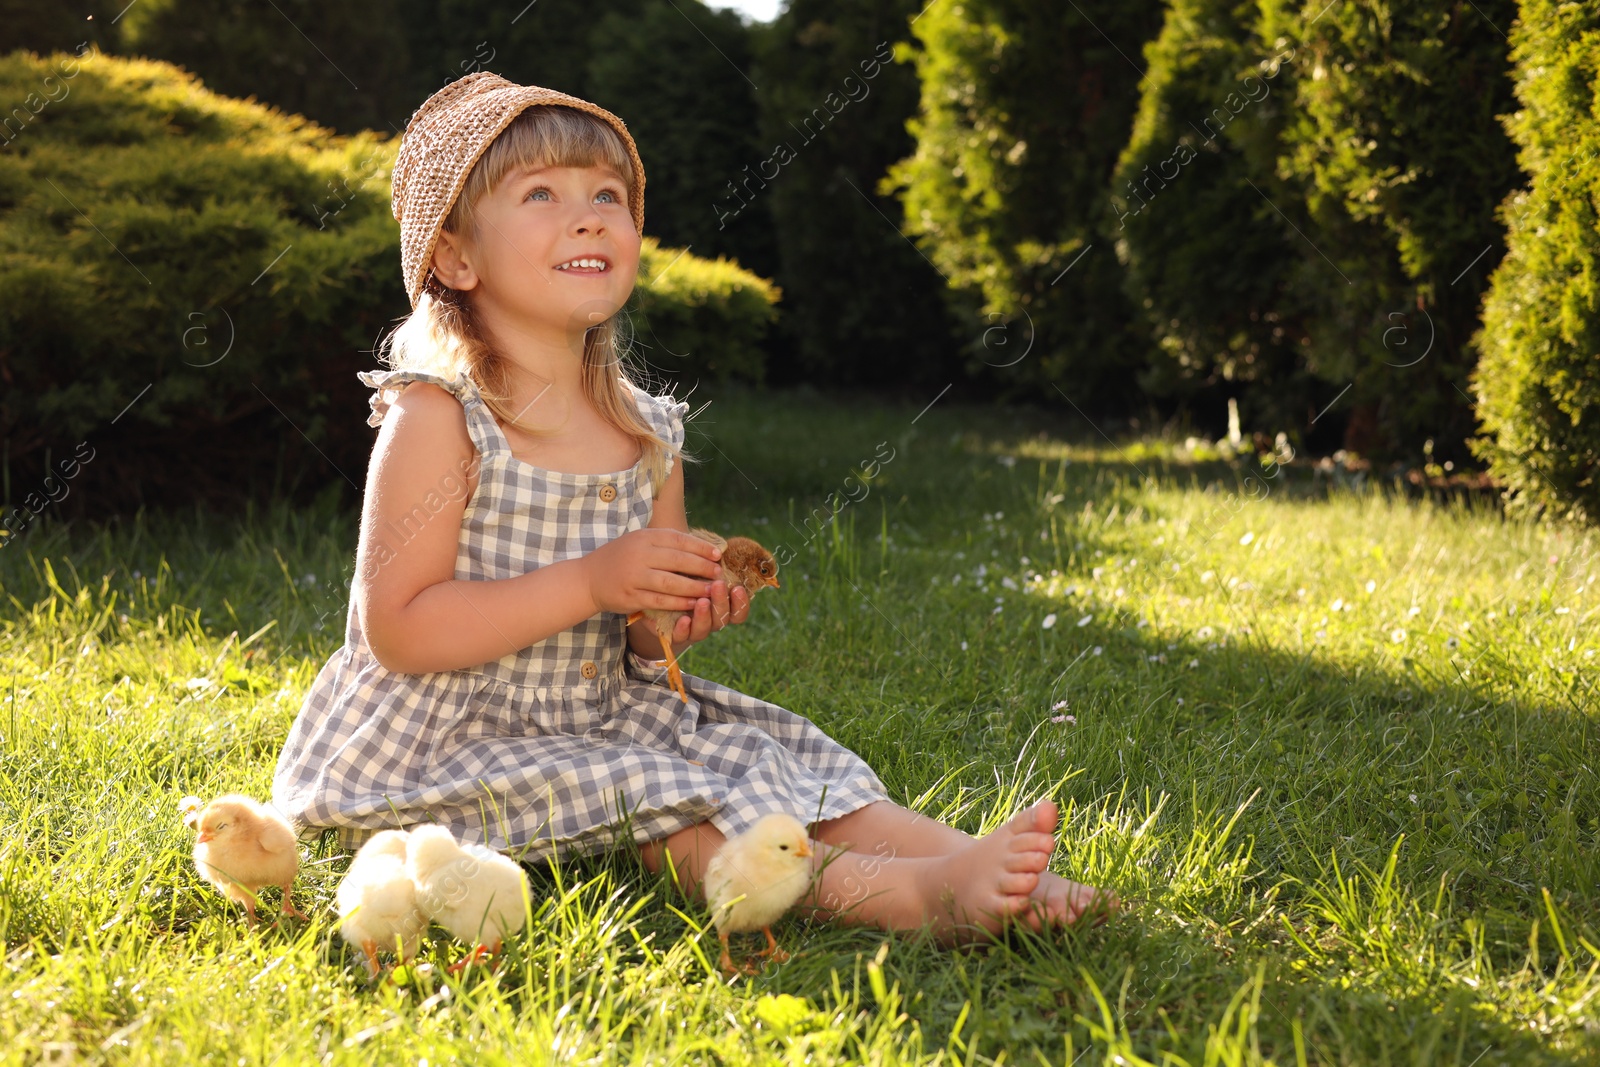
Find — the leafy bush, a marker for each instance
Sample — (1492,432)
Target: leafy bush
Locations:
(186,284)
(700,317)
(1538,376)
(189,285)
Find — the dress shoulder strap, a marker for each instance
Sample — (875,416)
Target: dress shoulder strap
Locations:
(481,427)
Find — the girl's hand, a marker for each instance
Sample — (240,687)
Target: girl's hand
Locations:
(651,568)
(712,614)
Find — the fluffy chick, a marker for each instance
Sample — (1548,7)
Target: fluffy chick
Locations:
(756,877)
(377,900)
(474,892)
(744,563)
(243,846)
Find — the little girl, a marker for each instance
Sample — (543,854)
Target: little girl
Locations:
(522,501)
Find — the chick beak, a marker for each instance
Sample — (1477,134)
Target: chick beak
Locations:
(205,835)
(774,583)
(805,850)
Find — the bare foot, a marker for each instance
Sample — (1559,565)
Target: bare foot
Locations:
(1060,902)
(975,892)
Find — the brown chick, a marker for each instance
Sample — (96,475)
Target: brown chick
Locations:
(243,846)
(744,563)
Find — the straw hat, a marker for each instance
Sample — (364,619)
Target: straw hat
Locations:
(444,139)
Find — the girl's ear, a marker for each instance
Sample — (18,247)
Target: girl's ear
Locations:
(450,265)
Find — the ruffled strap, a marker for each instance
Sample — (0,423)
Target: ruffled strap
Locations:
(393,381)
(665,415)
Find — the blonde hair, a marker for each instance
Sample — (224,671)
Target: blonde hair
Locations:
(441,336)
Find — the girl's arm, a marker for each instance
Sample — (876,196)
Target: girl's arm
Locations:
(711,613)
(417,617)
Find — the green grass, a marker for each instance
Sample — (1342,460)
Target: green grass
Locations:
(1364,835)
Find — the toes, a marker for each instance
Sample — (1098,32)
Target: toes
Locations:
(1042,817)
(1017,884)
(1032,862)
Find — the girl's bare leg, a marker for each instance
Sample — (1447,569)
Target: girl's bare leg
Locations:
(887,829)
(965,895)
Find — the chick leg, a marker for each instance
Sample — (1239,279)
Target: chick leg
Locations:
(729,968)
(772,951)
(674,673)
(478,952)
(288,905)
(370,947)
(726,962)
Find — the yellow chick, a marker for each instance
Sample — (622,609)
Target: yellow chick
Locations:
(756,877)
(377,900)
(744,563)
(474,892)
(243,846)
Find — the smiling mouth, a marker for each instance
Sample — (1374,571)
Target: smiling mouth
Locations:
(584,265)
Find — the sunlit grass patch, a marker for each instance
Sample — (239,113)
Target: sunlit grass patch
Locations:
(1335,748)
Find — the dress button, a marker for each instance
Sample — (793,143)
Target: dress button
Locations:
(608,492)
(588,670)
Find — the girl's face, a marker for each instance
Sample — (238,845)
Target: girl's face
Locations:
(555,250)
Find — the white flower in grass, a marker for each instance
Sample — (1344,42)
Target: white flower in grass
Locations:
(1204,633)
(1206,576)
(1398,635)
(1413,798)
(1086,620)
(1180,702)
(1414,612)
(1371,585)
(1009,582)
(1193,664)
(1096,650)
(1337,605)
(1058,705)
(998,608)
(963,646)
(1452,643)
(1049,620)
(1321,635)
(1097,572)
(1247,538)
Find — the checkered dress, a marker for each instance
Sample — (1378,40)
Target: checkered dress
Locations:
(568,744)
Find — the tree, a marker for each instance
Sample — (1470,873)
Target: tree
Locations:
(694,120)
(1538,378)
(1395,144)
(1024,110)
(1197,199)
(864,306)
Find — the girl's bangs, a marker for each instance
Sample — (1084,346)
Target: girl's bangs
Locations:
(543,136)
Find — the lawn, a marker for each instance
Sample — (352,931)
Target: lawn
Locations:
(1336,745)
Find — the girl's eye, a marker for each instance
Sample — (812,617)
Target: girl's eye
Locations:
(615,196)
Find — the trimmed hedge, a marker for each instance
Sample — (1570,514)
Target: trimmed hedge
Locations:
(190,283)
(1538,376)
